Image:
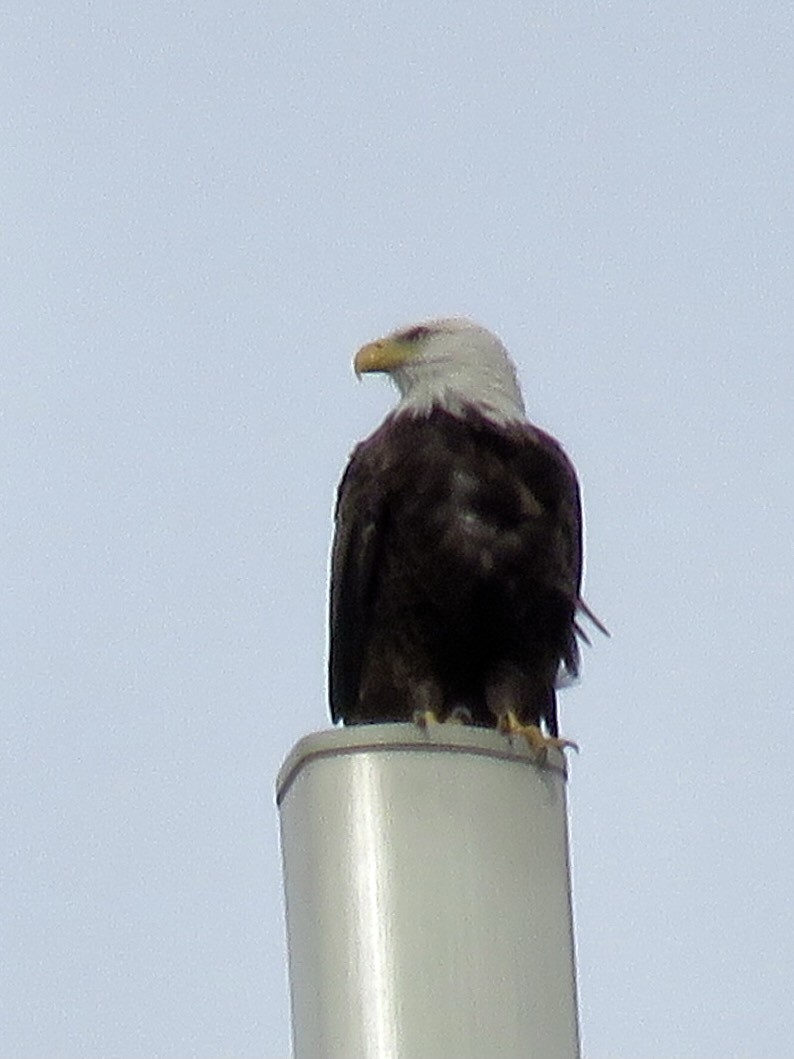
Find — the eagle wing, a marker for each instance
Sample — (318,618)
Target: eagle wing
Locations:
(358,537)
(570,549)
(563,499)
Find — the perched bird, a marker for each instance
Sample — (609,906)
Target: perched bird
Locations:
(457,558)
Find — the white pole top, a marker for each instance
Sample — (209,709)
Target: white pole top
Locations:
(428,896)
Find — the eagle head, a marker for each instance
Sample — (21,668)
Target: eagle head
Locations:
(453,364)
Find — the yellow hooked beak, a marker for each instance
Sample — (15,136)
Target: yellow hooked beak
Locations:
(384,355)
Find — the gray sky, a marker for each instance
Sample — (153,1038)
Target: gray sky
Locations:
(205,209)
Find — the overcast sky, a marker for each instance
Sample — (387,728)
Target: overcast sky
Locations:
(205,209)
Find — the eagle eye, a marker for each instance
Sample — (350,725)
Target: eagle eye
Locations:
(413,334)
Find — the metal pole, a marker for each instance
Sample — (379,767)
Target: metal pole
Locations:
(428,896)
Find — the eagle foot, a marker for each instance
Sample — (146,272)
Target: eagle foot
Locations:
(460,715)
(424,718)
(538,743)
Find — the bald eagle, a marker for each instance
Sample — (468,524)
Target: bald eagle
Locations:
(457,558)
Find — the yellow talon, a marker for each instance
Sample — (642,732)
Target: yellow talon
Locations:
(424,718)
(538,742)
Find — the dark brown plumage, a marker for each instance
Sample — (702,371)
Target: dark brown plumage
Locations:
(456,571)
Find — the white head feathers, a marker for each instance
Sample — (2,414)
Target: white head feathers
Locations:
(449,364)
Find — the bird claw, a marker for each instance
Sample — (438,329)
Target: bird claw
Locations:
(458,715)
(538,743)
(424,718)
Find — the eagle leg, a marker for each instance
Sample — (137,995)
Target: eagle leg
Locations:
(538,743)
(427,704)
